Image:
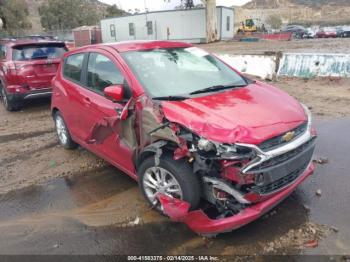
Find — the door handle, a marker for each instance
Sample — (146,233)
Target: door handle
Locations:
(87,101)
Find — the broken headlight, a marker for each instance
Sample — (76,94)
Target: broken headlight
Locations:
(205,145)
(225,151)
(233,151)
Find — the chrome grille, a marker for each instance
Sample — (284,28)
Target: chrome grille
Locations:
(278,141)
(282,158)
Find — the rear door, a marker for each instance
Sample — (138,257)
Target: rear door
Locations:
(74,104)
(37,64)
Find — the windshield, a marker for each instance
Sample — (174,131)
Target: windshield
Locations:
(32,52)
(179,71)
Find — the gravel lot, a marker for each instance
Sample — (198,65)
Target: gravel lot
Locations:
(337,45)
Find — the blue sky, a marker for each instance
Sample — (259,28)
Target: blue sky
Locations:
(153,5)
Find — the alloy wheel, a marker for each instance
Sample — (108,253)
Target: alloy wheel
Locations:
(61,130)
(157,180)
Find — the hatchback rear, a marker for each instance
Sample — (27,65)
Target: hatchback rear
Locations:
(26,70)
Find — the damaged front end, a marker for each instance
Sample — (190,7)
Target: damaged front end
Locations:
(240,182)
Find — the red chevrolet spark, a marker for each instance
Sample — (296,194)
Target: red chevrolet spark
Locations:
(208,146)
(27,68)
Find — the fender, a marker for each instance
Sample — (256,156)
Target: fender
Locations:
(152,149)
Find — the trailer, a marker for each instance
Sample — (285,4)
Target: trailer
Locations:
(187,25)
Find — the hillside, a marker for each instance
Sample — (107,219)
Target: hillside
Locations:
(290,3)
(33,6)
(308,12)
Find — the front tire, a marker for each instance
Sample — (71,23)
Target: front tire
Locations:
(171,177)
(63,133)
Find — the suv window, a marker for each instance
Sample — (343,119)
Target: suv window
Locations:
(102,72)
(33,52)
(73,67)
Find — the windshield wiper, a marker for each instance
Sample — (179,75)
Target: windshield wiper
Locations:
(170,98)
(215,88)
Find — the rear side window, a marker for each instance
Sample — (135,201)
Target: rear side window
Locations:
(73,67)
(102,72)
(37,52)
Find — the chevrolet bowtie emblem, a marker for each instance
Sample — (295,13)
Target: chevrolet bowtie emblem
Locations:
(288,136)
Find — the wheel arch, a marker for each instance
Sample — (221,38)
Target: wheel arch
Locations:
(54,110)
(155,149)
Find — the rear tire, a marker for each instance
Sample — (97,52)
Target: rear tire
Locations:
(63,133)
(8,104)
(175,178)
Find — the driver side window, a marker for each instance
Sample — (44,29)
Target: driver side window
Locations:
(102,72)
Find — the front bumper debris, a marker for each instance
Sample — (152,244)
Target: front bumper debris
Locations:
(200,223)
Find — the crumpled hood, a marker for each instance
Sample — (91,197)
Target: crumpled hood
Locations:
(245,115)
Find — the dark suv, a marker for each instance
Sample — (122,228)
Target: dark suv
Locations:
(297,31)
(27,68)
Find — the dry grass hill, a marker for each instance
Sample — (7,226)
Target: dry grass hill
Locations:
(318,12)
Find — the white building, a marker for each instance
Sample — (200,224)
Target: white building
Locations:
(184,25)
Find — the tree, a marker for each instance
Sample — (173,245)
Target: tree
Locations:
(114,11)
(14,16)
(68,14)
(274,21)
(211,17)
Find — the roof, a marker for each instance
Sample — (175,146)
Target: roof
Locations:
(167,11)
(126,46)
(86,27)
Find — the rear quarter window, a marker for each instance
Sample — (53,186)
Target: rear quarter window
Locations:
(73,67)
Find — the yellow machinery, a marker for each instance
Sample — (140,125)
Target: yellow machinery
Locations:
(250,26)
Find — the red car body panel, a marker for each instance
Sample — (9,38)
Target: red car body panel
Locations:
(200,223)
(35,74)
(146,45)
(248,115)
(326,34)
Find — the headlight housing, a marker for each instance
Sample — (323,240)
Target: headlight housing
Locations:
(309,116)
(224,151)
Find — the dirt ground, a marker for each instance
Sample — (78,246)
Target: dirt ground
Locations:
(327,97)
(338,45)
(57,201)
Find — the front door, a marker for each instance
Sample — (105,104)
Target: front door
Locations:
(102,71)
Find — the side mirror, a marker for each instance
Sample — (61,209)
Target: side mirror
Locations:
(116,92)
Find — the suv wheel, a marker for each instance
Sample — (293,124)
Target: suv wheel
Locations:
(171,177)
(9,105)
(63,133)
